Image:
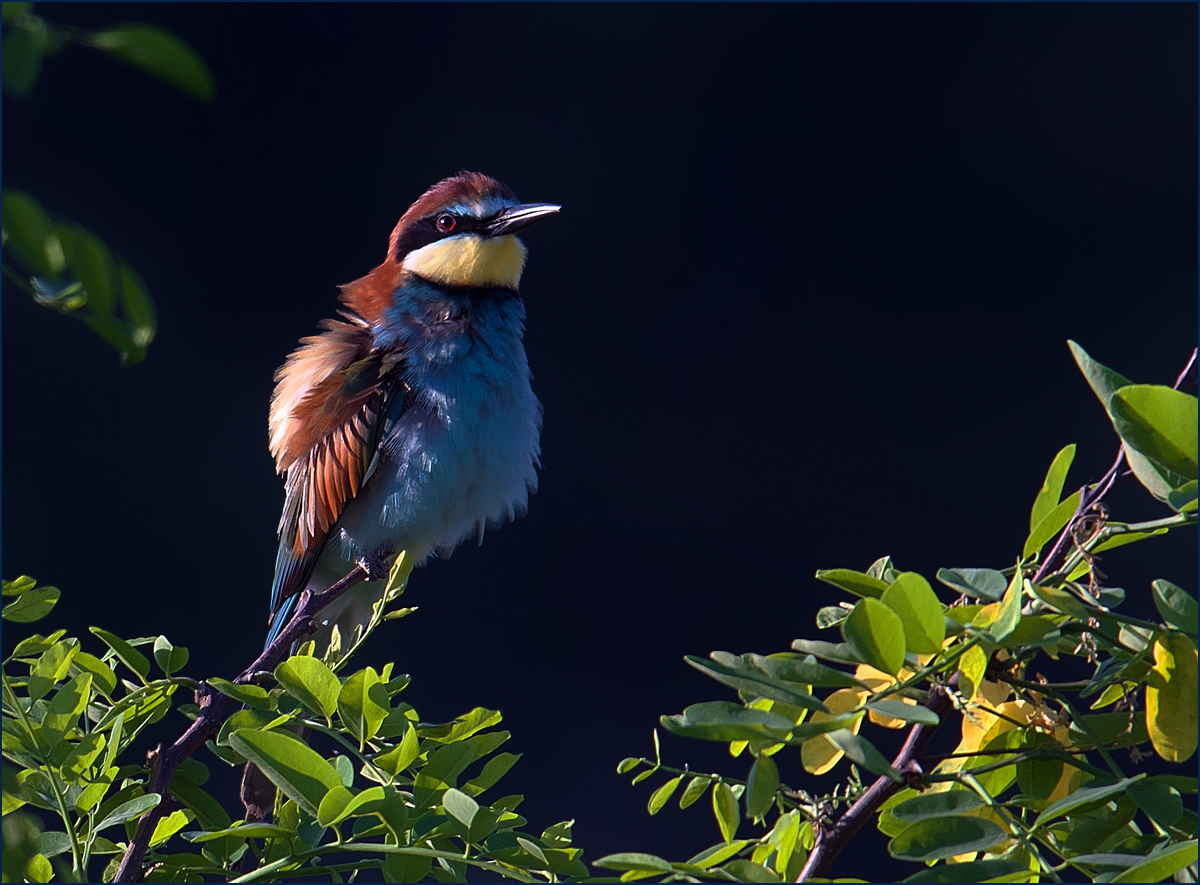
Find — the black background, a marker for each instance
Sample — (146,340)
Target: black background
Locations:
(806,304)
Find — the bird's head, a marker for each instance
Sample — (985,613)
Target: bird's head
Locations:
(462,233)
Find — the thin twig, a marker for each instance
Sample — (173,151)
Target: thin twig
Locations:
(214,708)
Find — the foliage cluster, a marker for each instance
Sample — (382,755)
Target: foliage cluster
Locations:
(387,792)
(63,266)
(1042,780)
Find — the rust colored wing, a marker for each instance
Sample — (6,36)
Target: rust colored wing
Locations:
(326,419)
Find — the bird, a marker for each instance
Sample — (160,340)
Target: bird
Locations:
(409,423)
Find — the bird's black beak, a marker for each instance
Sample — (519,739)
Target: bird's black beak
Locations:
(512,219)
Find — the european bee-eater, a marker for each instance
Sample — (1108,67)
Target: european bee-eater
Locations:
(410,424)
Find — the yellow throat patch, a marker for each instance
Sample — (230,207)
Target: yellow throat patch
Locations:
(469,260)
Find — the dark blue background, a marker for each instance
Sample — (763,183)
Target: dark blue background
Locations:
(806,304)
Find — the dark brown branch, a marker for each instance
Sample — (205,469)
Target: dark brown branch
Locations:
(214,709)
(831,840)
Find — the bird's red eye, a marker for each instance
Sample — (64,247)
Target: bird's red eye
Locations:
(446,223)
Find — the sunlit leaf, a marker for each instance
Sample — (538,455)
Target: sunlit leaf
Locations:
(725,810)
(1160,423)
(169,658)
(876,634)
(1171,717)
(33,605)
(126,653)
(663,794)
(858,583)
(291,765)
(313,684)
(1162,864)
(911,597)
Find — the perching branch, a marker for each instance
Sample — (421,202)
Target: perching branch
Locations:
(831,840)
(214,709)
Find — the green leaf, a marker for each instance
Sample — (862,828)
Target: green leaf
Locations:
(748,871)
(876,634)
(761,787)
(169,658)
(1162,803)
(494,769)
(1161,865)
(251,695)
(160,53)
(804,671)
(461,807)
(21,57)
(1103,380)
(62,713)
(19,586)
(717,854)
(633,861)
(442,770)
(1009,614)
(1160,423)
(169,825)
(858,583)
(126,653)
(363,704)
(725,721)
(1053,523)
(12,12)
(907,712)
(859,749)
(1183,499)
(94,266)
(662,795)
(694,790)
(1175,605)
(973,871)
(941,837)
(1081,798)
(981,583)
(31,235)
(291,765)
(30,606)
(138,306)
(332,804)
(119,334)
(736,672)
(725,810)
(402,755)
(81,758)
(838,652)
(104,679)
(309,681)
(1061,601)
(929,804)
(135,807)
(922,615)
(1048,497)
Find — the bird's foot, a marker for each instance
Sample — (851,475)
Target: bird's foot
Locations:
(374,565)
